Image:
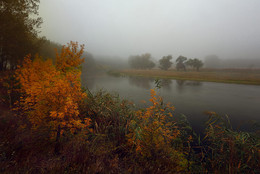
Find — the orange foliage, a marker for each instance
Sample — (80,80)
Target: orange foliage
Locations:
(152,135)
(52,94)
(152,130)
(70,57)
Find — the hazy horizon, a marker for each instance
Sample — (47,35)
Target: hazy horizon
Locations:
(227,28)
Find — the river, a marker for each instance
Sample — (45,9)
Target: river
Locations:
(191,98)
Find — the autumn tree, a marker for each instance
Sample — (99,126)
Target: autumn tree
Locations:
(51,94)
(19,23)
(165,62)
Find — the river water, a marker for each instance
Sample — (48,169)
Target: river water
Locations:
(191,98)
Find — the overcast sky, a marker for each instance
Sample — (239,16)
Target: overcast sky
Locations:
(192,28)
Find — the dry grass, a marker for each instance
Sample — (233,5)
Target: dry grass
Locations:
(240,76)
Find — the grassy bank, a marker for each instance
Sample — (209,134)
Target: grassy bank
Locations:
(238,76)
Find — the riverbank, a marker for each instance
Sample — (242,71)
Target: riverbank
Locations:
(238,76)
(121,138)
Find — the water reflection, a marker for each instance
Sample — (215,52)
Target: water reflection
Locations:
(149,83)
(180,82)
(166,84)
(181,85)
(141,82)
(188,83)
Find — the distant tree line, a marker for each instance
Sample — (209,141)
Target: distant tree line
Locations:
(165,62)
(141,61)
(182,62)
(195,63)
(144,62)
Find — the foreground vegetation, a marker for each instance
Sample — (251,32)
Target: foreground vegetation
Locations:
(239,76)
(49,124)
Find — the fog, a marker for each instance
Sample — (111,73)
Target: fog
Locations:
(229,29)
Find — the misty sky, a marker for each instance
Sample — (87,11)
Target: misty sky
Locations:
(192,28)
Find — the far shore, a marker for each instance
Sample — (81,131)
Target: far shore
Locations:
(238,76)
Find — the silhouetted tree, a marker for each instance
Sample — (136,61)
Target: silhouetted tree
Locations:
(141,62)
(195,63)
(165,62)
(18,31)
(189,62)
(180,63)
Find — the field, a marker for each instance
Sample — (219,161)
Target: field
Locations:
(239,76)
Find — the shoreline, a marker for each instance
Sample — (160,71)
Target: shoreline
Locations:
(246,78)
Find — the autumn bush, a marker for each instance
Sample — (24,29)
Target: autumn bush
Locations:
(51,94)
(130,139)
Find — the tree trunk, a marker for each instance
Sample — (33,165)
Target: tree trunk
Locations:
(57,143)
